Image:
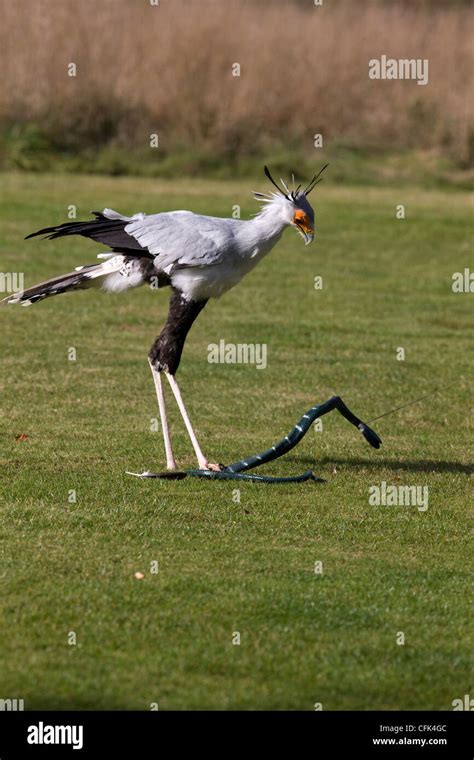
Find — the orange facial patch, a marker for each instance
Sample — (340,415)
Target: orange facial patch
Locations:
(302,219)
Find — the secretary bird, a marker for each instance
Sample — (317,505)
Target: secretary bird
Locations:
(198,257)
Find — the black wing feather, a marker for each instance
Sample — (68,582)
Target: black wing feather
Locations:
(109,232)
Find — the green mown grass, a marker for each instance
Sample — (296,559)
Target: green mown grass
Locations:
(226,566)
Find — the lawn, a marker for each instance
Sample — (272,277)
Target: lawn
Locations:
(225,565)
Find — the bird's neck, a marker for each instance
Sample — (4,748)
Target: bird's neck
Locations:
(265,230)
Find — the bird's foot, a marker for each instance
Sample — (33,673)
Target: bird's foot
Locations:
(211,466)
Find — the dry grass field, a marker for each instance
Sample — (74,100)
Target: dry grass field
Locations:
(168,69)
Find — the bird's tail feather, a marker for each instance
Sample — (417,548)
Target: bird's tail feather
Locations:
(82,278)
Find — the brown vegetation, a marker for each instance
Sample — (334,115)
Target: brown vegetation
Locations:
(168,69)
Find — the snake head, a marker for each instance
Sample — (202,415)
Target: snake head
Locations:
(370,435)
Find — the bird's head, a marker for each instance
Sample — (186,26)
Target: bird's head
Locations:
(293,205)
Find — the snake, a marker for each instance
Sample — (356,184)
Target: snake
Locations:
(239,470)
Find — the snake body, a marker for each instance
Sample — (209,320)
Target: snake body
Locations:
(238,470)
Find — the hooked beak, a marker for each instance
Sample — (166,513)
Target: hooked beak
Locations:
(307,233)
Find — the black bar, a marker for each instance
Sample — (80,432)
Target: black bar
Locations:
(223,734)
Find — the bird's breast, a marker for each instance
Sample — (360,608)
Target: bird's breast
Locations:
(213,280)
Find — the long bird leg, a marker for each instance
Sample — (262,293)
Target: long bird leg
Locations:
(202,461)
(165,356)
(170,460)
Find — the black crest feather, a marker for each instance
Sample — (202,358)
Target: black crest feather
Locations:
(294,193)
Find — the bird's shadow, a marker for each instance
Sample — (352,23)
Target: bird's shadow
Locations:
(421,465)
